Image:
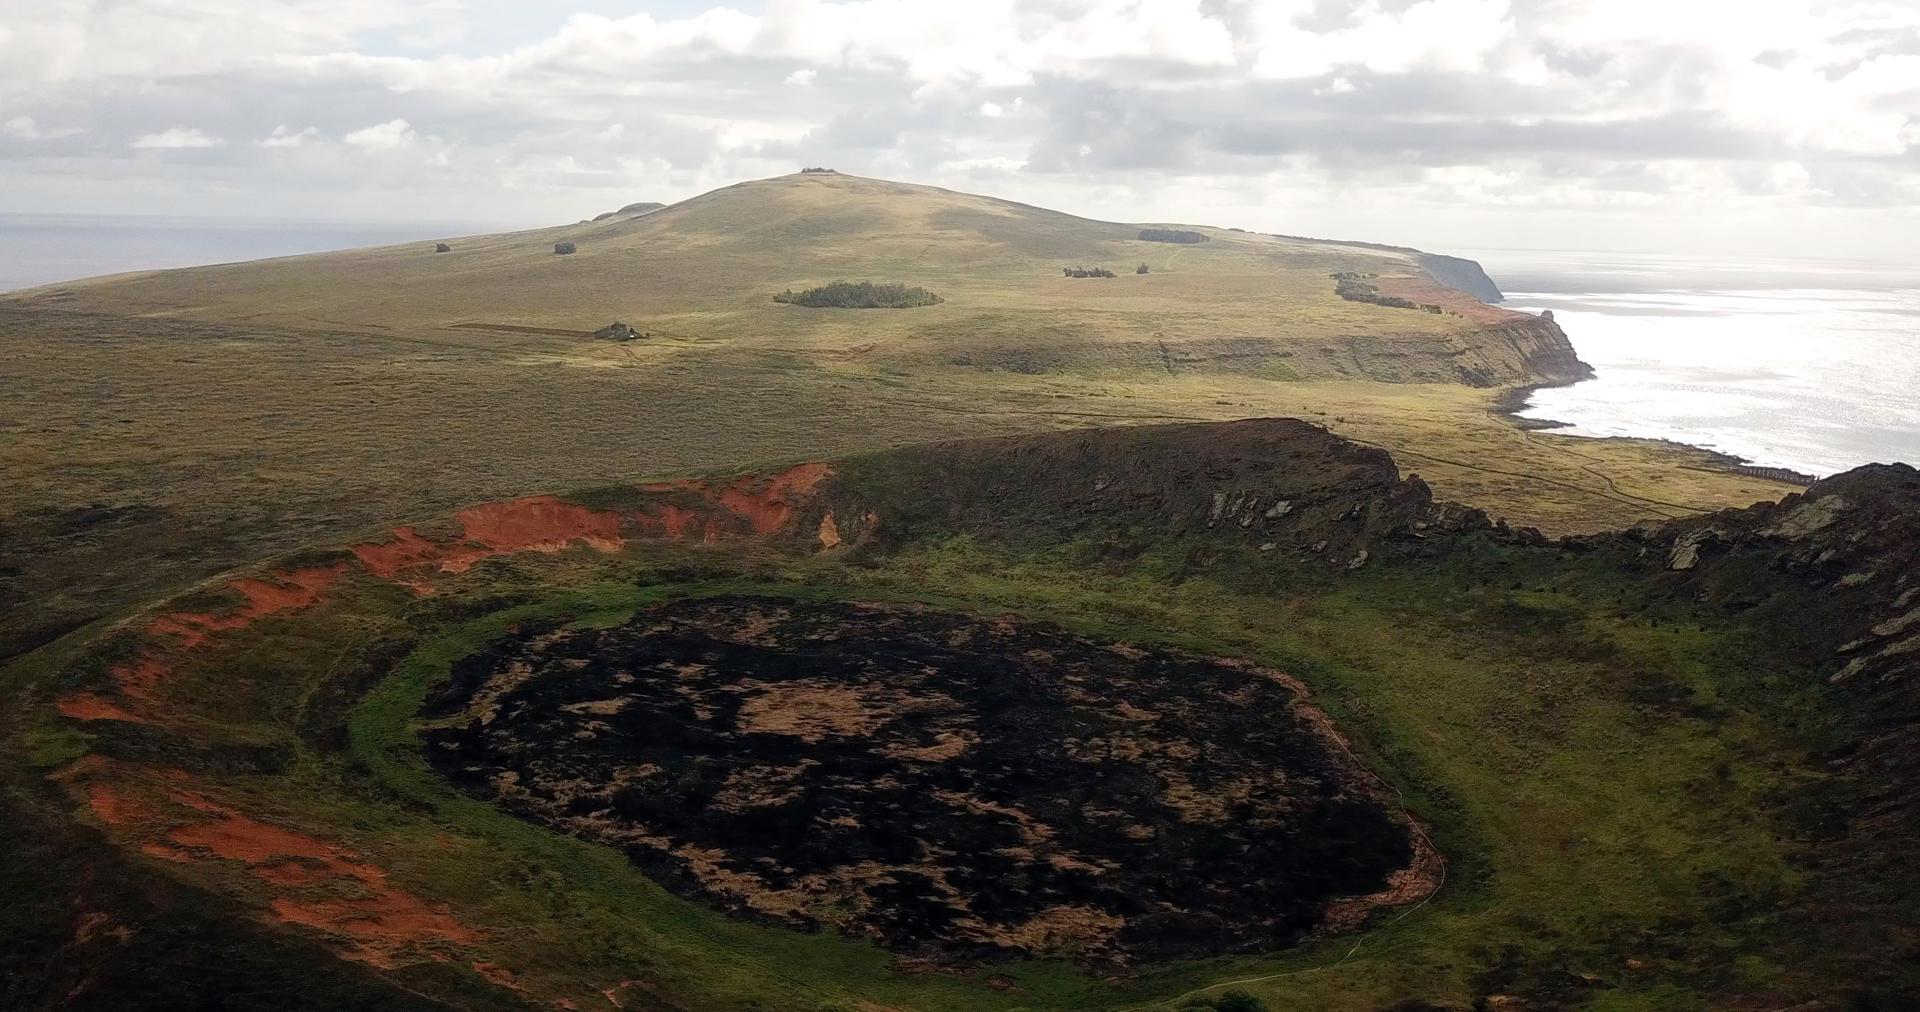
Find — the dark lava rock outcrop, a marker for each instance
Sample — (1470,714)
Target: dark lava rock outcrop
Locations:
(1829,580)
(1833,574)
(950,786)
(1281,485)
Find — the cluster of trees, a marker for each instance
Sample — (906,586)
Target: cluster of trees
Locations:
(817,168)
(1142,269)
(1087,272)
(1356,287)
(1350,287)
(562,248)
(859,295)
(1178,235)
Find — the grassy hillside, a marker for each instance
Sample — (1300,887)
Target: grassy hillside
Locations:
(1628,778)
(701,275)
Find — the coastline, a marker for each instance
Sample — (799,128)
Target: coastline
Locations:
(1513,399)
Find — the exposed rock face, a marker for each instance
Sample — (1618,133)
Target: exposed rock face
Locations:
(1832,578)
(1529,350)
(1276,482)
(1843,558)
(1520,350)
(1461,274)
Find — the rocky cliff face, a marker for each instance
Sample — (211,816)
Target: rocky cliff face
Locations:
(1831,578)
(1839,565)
(1840,562)
(1526,350)
(1460,274)
(1512,349)
(1281,486)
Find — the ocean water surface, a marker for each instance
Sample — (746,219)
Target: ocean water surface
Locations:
(39,249)
(1812,365)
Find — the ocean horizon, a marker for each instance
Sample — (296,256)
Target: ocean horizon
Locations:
(44,249)
(1803,364)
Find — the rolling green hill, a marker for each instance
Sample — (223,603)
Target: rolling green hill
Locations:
(703,273)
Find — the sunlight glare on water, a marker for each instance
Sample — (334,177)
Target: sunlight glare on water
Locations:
(1812,366)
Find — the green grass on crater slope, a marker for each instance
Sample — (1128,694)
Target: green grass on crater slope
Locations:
(1614,803)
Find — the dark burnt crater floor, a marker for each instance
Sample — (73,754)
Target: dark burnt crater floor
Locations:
(951,786)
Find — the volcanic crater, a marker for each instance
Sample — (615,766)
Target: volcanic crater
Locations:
(954,787)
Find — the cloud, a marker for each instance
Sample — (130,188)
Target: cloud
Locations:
(23,128)
(1135,108)
(176,138)
(282,137)
(381,136)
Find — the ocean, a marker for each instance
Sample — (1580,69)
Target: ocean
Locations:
(39,249)
(1809,365)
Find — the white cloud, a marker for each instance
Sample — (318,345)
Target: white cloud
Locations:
(283,137)
(1625,106)
(23,128)
(1453,35)
(381,136)
(177,138)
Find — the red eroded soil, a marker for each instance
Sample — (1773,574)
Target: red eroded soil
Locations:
(766,502)
(287,590)
(383,926)
(536,524)
(314,883)
(753,505)
(89,706)
(139,680)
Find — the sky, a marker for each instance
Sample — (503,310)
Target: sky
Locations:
(1762,127)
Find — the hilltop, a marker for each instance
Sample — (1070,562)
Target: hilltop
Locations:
(705,270)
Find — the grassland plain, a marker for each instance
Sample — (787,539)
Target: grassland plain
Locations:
(162,429)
